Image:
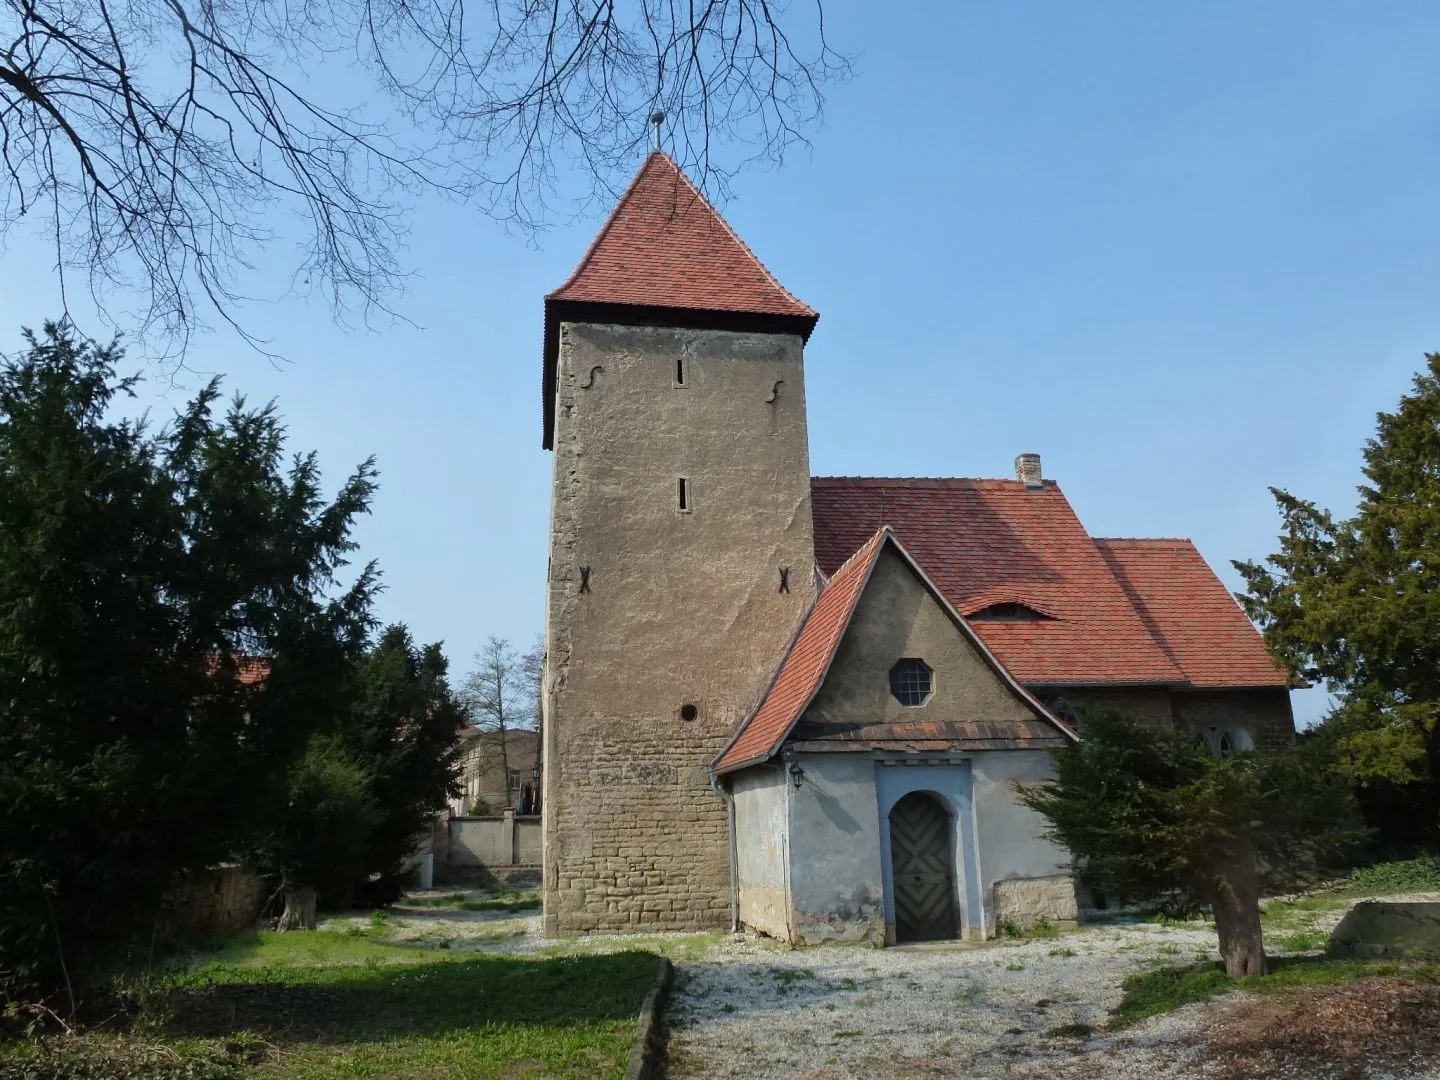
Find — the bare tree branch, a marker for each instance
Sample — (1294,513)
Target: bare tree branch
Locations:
(159,140)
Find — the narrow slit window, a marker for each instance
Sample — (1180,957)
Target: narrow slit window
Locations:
(679,371)
(683,491)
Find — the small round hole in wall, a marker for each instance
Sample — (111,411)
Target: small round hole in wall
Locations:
(688,713)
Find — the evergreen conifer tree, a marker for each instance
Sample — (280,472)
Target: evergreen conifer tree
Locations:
(1151,815)
(173,628)
(1354,603)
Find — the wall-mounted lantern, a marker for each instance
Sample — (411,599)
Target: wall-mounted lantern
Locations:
(797,774)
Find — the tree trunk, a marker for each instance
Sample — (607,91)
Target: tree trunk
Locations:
(299,913)
(502,723)
(1236,903)
(500,728)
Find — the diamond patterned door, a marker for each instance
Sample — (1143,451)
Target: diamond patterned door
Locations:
(922,869)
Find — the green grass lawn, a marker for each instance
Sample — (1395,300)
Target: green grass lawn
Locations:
(335,1006)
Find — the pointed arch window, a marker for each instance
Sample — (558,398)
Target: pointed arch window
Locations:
(1222,741)
(1064,711)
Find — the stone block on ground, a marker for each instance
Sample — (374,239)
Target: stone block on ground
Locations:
(1373,928)
(1026,901)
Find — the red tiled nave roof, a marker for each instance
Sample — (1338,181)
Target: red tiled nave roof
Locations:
(984,542)
(1191,614)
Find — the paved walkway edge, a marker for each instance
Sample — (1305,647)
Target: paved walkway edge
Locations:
(648,1051)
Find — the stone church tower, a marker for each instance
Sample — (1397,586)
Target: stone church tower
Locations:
(681,550)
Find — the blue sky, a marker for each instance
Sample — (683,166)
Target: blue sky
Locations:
(1183,251)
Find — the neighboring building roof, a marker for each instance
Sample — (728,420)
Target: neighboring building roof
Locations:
(249,670)
(985,542)
(803,671)
(1191,614)
(665,256)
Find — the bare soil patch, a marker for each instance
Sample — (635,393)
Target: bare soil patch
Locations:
(1346,1031)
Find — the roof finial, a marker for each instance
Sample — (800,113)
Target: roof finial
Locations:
(657,118)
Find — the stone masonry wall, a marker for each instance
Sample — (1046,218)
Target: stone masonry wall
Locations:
(1150,704)
(653,608)
(1265,713)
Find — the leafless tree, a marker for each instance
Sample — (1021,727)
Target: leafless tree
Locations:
(156,141)
(533,666)
(499,693)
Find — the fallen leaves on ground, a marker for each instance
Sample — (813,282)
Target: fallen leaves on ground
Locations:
(1344,1031)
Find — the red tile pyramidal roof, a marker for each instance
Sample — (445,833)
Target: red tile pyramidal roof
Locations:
(665,257)
(665,246)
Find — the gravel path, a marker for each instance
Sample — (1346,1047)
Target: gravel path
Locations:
(747,1010)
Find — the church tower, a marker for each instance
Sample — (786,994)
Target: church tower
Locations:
(681,550)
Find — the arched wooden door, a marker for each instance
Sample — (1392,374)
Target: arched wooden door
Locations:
(922,864)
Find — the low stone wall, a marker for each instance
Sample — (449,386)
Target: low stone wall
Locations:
(1026,901)
(528,841)
(493,842)
(479,841)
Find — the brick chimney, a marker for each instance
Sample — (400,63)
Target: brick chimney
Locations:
(1027,471)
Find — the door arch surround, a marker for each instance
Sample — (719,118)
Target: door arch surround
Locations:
(923,870)
(949,779)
